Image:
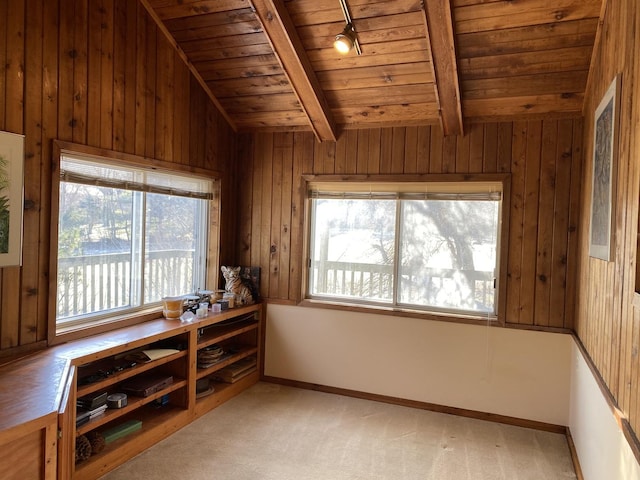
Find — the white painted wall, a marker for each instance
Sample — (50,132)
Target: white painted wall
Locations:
(601,446)
(518,373)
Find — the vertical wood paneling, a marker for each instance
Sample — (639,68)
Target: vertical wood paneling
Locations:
(119,65)
(516,222)
(277,225)
(106,74)
(373,164)
(549,159)
(32,170)
(50,88)
(85,71)
(150,89)
(411,150)
(607,319)
(533,152)
(531,208)
(287,189)
(557,280)
(13,122)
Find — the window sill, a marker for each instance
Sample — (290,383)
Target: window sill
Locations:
(74,332)
(402,312)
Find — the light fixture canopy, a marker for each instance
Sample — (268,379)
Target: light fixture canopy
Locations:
(345,40)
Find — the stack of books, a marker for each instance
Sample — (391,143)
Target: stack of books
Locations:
(237,370)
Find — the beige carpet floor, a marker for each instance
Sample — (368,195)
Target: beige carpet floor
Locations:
(272,432)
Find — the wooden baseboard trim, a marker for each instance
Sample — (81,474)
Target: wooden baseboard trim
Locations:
(574,455)
(461,412)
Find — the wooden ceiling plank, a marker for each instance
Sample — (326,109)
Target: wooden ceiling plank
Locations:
(230,53)
(398,114)
(251,86)
(302,14)
(557,82)
(205,33)
(334,83)
(313,40)
(405,94)
(439,26)
(326,55)
(540,38)
(236,63)
(287,46)
(242,72)
(521,14)
(524,105)
(187,8)
(261,103)
(352,61)
(210,19)
(185,59)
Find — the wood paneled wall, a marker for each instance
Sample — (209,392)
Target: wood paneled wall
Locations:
(543,157)
(608,314)
(99,73)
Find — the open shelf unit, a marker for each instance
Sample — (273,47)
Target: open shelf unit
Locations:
(237,331)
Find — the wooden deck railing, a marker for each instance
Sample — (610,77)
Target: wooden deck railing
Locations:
(375,282)
(93,283)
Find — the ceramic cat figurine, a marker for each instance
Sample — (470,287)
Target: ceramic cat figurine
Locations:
(237,285)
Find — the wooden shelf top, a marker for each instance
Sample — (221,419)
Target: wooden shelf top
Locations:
(32,387)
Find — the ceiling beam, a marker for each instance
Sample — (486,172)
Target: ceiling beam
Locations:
(439,24)
(287,46)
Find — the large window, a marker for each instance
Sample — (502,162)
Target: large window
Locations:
(126,238)
(414,246)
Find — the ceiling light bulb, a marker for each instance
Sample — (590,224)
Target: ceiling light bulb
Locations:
(344,41)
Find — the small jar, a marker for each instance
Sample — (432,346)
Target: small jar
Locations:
(231,298)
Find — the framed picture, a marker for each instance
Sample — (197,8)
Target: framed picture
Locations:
(11,198)
(603,194)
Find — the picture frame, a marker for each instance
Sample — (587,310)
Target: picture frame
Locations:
(11,198)
(604,173)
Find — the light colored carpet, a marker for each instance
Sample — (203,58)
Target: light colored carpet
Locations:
(272,432)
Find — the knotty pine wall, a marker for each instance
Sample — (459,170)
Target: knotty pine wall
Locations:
(98,73)
(543,157)
(608,313)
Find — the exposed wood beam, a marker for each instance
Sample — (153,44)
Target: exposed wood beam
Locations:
(190,66)
(285,41)
(439,24)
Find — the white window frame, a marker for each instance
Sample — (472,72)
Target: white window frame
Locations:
(402,184)
(98,322)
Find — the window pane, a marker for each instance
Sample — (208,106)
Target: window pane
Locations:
(172,229)
(448,254)
(94,249)
(352,248)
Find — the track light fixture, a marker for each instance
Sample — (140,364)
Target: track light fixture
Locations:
(347,39)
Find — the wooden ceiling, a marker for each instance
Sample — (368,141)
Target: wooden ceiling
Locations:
(271,65)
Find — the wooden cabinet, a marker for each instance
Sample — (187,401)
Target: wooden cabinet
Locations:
(104,365)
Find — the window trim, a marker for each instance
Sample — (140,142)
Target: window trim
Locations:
(116,321)
(403,181)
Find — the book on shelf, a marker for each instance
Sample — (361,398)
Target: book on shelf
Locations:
(83,415)
(237,370)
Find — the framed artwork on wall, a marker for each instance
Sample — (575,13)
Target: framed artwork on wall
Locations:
(603,194)
(11,198)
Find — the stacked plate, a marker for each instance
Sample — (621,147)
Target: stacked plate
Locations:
(210,355)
